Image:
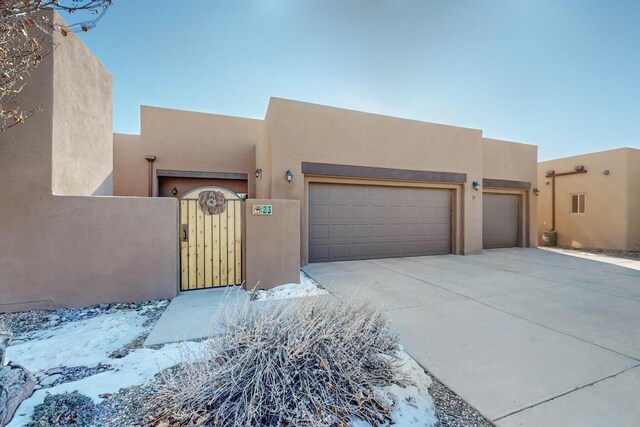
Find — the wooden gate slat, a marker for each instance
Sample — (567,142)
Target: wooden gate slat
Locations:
(216,250)
(224,276)
(184,247)
(200,255)
(231,247)
(238,242)
(208,251)
(193,206)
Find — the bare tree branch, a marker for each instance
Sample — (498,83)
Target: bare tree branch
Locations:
(24,33)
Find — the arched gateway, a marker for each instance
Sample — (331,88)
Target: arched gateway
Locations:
(210,238)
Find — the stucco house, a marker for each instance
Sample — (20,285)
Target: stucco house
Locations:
(597,199)
(203,200)
(370,186)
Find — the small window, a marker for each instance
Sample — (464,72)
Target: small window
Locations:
(578,202)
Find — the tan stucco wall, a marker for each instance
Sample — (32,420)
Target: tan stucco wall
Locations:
(263,160)
(61,251)
(184,141)
(81,162)
(605,223)
(272,244)
(301,132)
(633,201)
(515,162)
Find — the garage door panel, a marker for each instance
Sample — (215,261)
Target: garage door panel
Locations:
(359,250)
(368,222)
(319,252)
(434,213)
(340,212)
(414,229)
(412,212)
(412,248)
(339,231)
(393,212)
(339,251)
(376,213)
(320,194)
(500,220)
(396,230)
(434,247)
(319,232)
(319,212)
(435,229)
(360,231)
(359,212)
(385,249)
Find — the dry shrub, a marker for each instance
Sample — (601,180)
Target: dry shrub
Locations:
(301,362)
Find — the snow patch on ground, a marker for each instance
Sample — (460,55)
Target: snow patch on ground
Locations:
(87,343)
(414,406)
(83,343)
(306,288)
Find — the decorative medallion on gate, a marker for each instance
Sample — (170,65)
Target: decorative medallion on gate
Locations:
(212,202)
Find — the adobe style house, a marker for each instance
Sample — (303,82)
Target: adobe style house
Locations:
(203,200)
(597,199)
(369,186)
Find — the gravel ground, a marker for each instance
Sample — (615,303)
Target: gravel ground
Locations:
(121,409)
(23,325)
(632,255)
(64,374)
(451,410)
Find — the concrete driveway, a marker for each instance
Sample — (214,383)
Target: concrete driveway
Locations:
(528,337)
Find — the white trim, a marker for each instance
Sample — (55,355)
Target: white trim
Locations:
(584,204)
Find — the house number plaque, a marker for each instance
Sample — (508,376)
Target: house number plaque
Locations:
(261,210)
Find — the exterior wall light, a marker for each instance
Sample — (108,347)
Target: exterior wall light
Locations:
(606,172)
(150,159)
(579,168)
(476,185)
(258,173)
(536,191)
(289,175)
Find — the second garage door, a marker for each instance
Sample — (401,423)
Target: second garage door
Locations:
(352,222)
(500,214)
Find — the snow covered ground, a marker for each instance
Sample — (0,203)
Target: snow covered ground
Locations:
(414,406)
(90,342)
(306,288)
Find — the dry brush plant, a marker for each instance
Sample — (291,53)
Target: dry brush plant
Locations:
(302,362)
(24,32)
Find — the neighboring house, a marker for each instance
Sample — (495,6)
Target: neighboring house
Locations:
(597,199)
(320,183)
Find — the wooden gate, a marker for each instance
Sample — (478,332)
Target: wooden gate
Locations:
(210,238)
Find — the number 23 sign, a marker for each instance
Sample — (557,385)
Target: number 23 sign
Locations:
(261,210)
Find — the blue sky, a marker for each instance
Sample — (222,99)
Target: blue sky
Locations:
(564,75)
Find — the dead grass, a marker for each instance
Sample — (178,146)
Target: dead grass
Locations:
(306,362)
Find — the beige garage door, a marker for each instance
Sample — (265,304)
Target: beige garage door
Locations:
(500,213)
(351,222)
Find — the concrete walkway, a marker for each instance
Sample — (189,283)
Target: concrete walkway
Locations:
(528,337)
(194,315)
(622,262)
(191,315)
